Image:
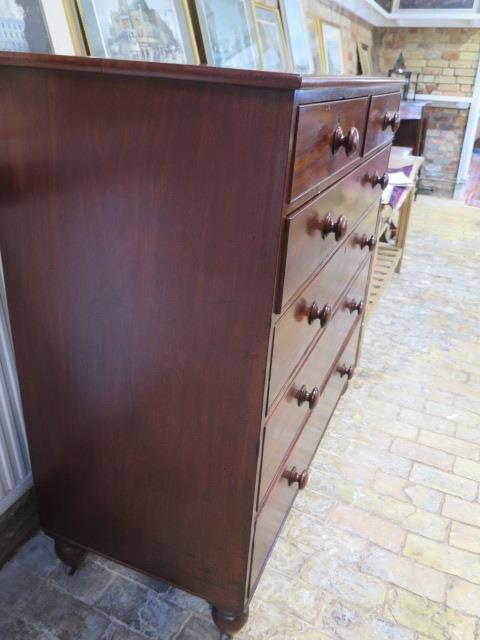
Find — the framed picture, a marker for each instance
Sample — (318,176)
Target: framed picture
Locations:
(364,59)
(39,26)
(297,35)
(154,30)
(273,46)
(229,33)
(314,26)
(332,46)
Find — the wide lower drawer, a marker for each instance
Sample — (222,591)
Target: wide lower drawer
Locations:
(383,120)
(309,315)
(303,392)
(316,230)
(275,509)
(330,136)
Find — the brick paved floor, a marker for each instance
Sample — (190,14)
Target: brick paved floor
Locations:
(385,542)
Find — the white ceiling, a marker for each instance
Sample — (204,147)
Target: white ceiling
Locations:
(373,13)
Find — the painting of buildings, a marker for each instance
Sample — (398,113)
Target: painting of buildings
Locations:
(22,27)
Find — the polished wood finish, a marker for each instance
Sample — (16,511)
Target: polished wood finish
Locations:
(275,509)
(329,137)
(142,254)
(289,415)
(70,554)
(383,120)
(413,127)
(306,246)
(293,330)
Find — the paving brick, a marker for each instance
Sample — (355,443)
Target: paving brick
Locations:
(390,485)
(141,609)
(467,468)
(14,628)
(429,618)
(465,537)
(400,429)
(18,586)
(382,532)
(427,524)
(199,629)
(462,510)
(452,445)
(464,596)
(425,498)
(443,557)
(443,481)
(425,421)
(119,632)
(88,584)
(294,597)
(422,453)
(405,573)
(472,434)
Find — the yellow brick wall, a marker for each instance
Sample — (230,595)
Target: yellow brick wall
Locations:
(446,58)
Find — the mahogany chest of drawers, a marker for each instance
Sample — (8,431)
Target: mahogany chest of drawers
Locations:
(186,254)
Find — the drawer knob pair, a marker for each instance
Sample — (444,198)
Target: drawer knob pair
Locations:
(349,141)
(343,370)
(293,476)
(352,305)
(371,242)
(339,228)
(392,119)
(381,180)
(308,396)
(324,314)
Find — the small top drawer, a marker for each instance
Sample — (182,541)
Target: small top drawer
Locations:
(329,137)
(308,243)
(383,120)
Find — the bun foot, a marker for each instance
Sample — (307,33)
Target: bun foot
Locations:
(70,555)
(229,623)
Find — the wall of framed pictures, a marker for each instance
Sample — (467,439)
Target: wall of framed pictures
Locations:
(304,36)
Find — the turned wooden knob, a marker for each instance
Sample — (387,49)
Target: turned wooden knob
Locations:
(339,228)
(392,119)
(324,314)
(306,396)
(371,242)
(352,305)
(381,180)
(343,370)
(349,141)
(293,476)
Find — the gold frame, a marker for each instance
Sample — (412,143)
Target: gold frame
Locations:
(316,23)
(325,57)
(76,5)
(76,27)
(364,55)
(276,12)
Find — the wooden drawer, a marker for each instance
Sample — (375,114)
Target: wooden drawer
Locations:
(306,245)
(275,509)
(288,417)
(294,332)
(320,149)
(383,120)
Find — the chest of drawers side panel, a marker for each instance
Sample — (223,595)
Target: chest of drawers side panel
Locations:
(139,225)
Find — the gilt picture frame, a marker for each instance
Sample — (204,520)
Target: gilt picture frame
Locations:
(273,45)
(157,30)
(364,59)
(294,20)
(40,26)
(228,31)
(314,26)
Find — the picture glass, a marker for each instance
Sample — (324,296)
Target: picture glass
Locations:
(229,36)
(271,39)
(315,45)
(23,27)
(295,24)
(333,49)
(155,30)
